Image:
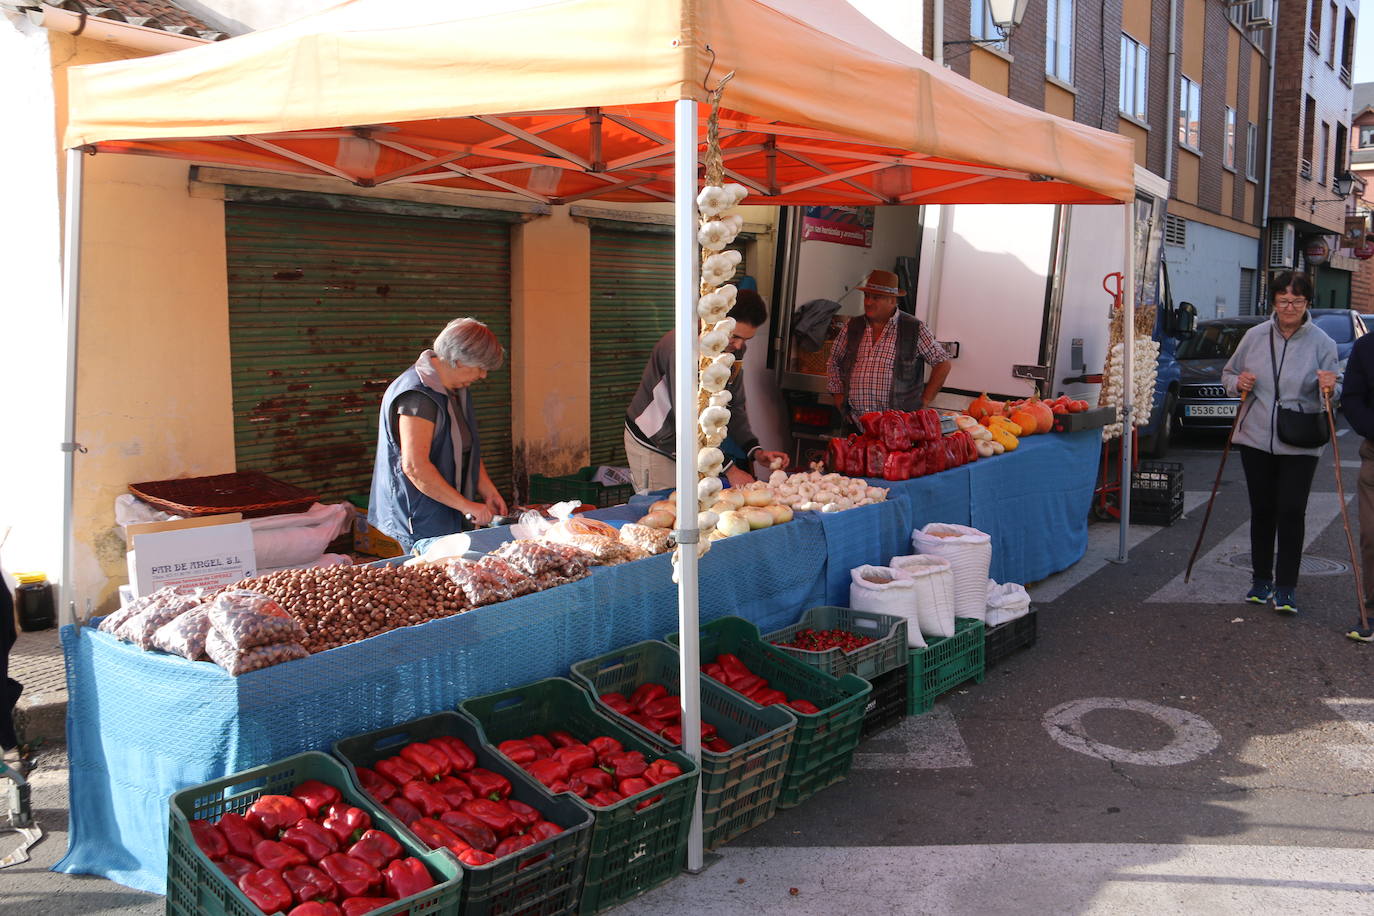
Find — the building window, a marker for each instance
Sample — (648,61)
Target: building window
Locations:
(1135,78)
(1190,114)
(1309,136)
(1348,47)
(1251,151)
(1314,25)
(1331,33)
(1367,136)
(1059,39)
(1341,152)
(1323,153)
(1229,154)
(980,24)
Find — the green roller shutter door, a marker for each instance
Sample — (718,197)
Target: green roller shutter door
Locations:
(327,307)
(632,307)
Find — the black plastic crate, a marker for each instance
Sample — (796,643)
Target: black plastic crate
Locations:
(887,703)
(1158,475)
(1156,515)
(1006,638)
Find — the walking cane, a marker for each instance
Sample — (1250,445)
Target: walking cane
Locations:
(1345,517)
(1192,558)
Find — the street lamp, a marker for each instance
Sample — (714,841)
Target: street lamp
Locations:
(1006,15)
(1342,184)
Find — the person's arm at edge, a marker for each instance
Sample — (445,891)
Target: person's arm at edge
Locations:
(416,434)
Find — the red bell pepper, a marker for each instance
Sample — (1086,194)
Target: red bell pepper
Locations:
(718,745)
(804,706)
(543,747)
(603,745)
(605,798)
(424,796)
(672,734)
(871,423)
(874,456)
(454,790)
(893,466)
(768,696)
(276,855)
(429,760)
(937,459)
(649,722)
(235,867)
(407,877)
(733,665)
(398,769)
(309,883)
(316,908)
(548,771)
(487,784)
(715,671)
(542,830)
(660,771)
(266,889)
(458,753)
(894,431)
(376,848)
(560,738)
(494,814)
(470,830)
(857,462)
(315,795)
(312,839)
(523,812)
(358,906)
(353,876)
(435,834)
(272,814)
(646,693)
(404,810)
(668,708)
(576,756)
(628,763)
(375,784)
(633,785)
(835,455)
(208,837)
(748,684)
(513,844)
(476,858)
(518,750)
(346,822)
(593,778)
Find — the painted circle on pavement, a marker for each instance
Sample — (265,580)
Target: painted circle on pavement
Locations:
(1194,736)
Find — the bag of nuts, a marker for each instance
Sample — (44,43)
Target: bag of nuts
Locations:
(167,605)
(240,661)
(113,622)
(247,619)
(185,635)
(480,585)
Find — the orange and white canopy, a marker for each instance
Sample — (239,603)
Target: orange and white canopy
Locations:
(560,100)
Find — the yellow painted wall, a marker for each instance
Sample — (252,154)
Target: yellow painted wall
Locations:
(989,69)
(1140,135)
(1188,165)
(1135,20)
(1228,193)
(1232,67)
(1194,17)
(1257,86)
(1058,100)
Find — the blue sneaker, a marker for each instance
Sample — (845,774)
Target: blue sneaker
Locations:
(1363,634)
(1261,590)
(1286,600)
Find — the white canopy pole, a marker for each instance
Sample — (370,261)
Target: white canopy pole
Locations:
(71,293)
(1127,376)
(685,399)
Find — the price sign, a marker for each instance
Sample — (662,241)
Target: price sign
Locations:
(207,557)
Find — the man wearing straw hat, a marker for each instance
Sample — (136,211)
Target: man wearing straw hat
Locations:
(879,362)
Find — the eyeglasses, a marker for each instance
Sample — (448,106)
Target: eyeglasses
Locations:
(1296,302)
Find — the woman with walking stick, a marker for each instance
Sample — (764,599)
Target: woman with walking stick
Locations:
(1282,367)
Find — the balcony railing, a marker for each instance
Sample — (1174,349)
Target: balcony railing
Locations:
(1314,41)
(1305,168)
(1345,75)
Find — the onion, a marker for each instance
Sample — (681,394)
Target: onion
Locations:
(733,496)
(731,523)
(780,513)
(720,506)
(758,497)
(757,517)
(664,505)
(658,520)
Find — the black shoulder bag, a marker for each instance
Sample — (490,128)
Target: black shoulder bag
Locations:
(1296,427)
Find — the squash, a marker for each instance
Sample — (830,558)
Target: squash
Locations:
(983,406)
(1004,423)
(1028,422)
(1044,415)
(1002,437)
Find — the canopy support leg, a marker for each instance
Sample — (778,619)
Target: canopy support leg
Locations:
(71,299)
(1127,377)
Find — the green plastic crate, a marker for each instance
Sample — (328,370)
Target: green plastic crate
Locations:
(543,879)
(886,653)
(579,486)
(196,886)
(739,788)
(823,748)
(943,664)
(632,851)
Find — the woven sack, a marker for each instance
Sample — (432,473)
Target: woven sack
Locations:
(1006,602)
(934,593)
(969,552)
(886,591)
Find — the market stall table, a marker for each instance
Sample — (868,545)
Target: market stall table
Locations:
(143,725)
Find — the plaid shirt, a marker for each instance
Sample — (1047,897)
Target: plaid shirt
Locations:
(870,383)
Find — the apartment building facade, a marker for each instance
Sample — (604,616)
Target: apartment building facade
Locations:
(1362,197)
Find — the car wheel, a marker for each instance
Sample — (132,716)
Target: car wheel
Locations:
(1159,443)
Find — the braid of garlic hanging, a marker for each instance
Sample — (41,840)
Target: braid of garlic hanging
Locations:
(717,227)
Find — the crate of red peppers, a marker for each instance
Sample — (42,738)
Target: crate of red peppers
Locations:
(744,748)
(841,640)
(297,837)
(521,851)
(829,711)
(640,796)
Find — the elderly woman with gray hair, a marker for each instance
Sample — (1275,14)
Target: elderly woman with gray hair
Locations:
(429,479)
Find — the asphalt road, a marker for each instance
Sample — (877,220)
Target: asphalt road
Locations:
(1163,748)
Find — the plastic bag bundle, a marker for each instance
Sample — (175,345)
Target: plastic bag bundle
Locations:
(480,585)
(886,591)
(240,661)
(531,557)
(608,551)
(247,619)
(1006,602)
(185,635)
(649,540)
(516,580)
(969,552)
(933,581)
(166,605)
(113,622)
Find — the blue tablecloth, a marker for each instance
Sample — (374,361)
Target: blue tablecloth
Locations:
(143,725)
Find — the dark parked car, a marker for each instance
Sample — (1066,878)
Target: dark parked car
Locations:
(1344,326)
(1202,400)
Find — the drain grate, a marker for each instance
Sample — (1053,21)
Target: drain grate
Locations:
(1307,566)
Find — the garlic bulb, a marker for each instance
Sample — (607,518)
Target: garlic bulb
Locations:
(714,438)
(715,235)
(737,192)
(714,307)
(714,377)
(721,399)
(706,520)
(729,291)
(713,418)
(707,488)
(830,507)
(777,479)
(725,359)
(713,200)
(713,343)
(710,461)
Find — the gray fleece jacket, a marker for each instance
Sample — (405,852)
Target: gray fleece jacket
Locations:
(1298,358)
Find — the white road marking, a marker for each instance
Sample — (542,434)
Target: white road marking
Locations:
(1359,714)
(1194,736)
(1215,582)
(1079,878)
(928,742)
(1343,430)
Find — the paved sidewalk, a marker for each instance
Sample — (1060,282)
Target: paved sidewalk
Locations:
(36,662)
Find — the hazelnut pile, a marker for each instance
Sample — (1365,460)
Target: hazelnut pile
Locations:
(337,605)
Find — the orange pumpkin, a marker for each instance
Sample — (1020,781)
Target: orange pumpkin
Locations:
(983,407)
(1044,416)
(1028,422)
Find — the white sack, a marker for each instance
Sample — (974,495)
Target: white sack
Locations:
(933,594)
(279,541)
(969,552)
(1006,602)
(885,591)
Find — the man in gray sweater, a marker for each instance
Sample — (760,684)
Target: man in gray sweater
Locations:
(650,430)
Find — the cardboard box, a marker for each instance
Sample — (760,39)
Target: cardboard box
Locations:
(369,540)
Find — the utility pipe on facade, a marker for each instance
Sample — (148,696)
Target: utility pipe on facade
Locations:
(1171,90)
(1261,291)
(1127,376)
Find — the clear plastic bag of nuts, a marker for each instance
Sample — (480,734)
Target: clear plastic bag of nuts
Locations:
(240,661)
(479,584)
(186,634)
(515,579)
(167,604)
(246,619)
